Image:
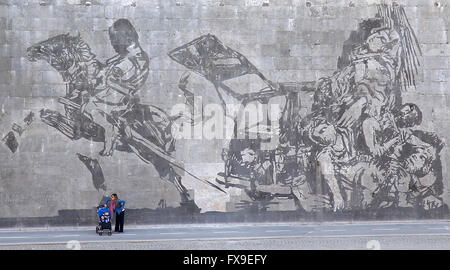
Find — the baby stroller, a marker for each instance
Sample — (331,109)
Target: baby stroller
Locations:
(104,224)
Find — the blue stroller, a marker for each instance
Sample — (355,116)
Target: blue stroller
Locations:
(104,224)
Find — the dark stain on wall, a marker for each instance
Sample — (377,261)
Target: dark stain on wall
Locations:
(11,141)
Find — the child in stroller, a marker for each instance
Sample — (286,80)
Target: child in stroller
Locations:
(104,225)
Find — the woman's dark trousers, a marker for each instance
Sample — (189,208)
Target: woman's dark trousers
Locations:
(120,219)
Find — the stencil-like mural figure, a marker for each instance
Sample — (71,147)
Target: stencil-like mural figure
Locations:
(102,102)
(358,148)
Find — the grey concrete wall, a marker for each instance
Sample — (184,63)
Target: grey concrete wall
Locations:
(49,175)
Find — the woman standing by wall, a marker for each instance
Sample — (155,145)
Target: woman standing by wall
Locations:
(117,206)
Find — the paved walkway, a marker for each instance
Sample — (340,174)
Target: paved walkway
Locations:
(361,235)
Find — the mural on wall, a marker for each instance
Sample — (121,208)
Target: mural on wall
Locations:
(358,147)
(102,103)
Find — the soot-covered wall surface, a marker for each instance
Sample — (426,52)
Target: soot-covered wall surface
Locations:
(223,111)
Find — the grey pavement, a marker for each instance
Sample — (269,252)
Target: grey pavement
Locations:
(261,236)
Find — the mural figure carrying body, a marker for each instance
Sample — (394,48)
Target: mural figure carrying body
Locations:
(356,148)
(358,119)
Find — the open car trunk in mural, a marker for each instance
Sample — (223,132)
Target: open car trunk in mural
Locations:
(220,64)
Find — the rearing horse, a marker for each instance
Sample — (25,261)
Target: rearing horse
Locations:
(72,58)
(146,130)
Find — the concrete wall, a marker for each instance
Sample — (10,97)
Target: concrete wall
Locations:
(344,146)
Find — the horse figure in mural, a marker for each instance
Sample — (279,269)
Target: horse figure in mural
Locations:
(247,165)
(144,130)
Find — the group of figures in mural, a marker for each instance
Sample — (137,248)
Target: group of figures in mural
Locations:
(358,147)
